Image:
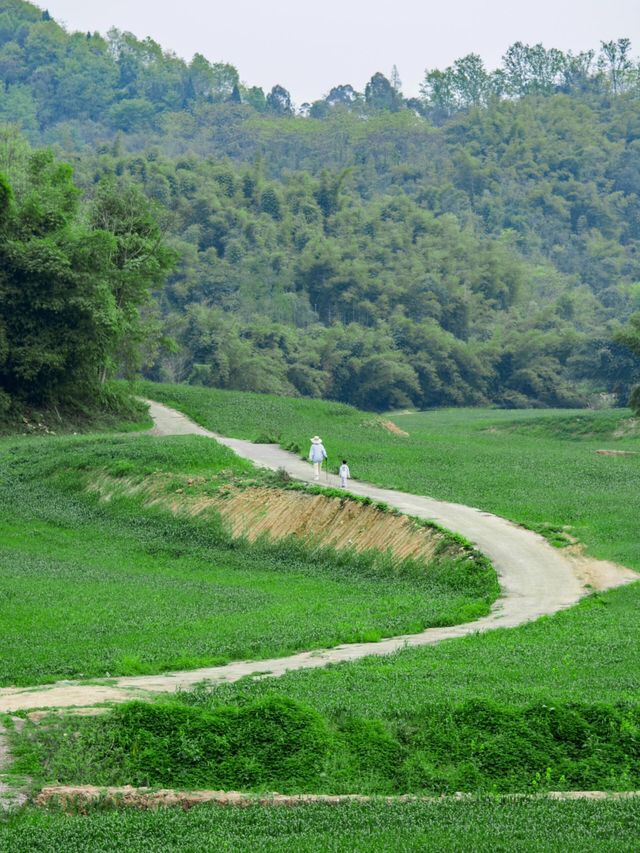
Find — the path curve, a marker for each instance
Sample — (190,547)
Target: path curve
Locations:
(536,579)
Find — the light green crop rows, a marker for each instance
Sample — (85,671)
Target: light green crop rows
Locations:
(483,826)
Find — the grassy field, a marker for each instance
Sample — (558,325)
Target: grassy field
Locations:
(585,657)
(550,705)
(114,588)
(536,468)
(482,826)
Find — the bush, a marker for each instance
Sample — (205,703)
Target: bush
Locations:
(274,742)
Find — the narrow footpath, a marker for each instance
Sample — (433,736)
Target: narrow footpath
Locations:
(536,579)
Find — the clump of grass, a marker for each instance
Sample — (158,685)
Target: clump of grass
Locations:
(556,534)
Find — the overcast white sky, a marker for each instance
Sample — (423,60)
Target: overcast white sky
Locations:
(310,47)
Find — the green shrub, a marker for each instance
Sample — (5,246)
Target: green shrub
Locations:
(274,742)
(266,741)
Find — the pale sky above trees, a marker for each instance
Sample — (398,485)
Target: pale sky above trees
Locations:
(310,47)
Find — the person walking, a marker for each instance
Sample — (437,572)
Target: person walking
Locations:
(344,473)
(317,455)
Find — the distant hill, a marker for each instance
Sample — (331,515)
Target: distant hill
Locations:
(478,244)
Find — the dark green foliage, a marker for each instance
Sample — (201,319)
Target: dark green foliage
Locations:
(109,407)
(6,198)
(630,338)
(483,248)
(276,743)
(379,94)
(70,292)
(279,102)
(273,743)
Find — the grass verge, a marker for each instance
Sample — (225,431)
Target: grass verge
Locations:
(272,742)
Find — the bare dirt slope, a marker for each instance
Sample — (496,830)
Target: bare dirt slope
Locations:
(535,578)
(319,520)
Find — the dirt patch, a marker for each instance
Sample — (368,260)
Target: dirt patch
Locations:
(76,798)
(599,574)
(318,520)
(38,716)
(394,428)
(617,452)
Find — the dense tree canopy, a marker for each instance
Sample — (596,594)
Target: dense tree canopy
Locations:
(479,243)
(630,338)
(70,289)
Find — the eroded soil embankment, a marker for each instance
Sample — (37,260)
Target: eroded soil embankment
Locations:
(341,523)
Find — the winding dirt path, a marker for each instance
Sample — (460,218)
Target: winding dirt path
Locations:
(535,578)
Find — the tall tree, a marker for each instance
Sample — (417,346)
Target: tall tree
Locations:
(630,337)
(70,292)
(139,260)
(394,79)
(380,95)
(615,61)
(279,101)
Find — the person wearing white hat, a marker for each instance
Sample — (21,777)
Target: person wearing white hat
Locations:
(317,455)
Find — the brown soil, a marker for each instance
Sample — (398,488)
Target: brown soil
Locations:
(599,574)
(77,798)
(617,452)
(394,428)
(277,513)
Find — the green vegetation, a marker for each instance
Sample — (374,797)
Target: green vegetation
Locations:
(549,705)
(110,408)
(273,742)
(72,281)
(478,243)
(113,587)
(489,824)
(630,337)
(585,656)
(540,470)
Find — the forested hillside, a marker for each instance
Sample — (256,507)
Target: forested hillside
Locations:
(480,243)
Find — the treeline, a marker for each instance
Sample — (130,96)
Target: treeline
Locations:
(124,83)
(478,244)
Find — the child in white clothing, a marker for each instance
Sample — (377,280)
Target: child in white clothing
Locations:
(344,474)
